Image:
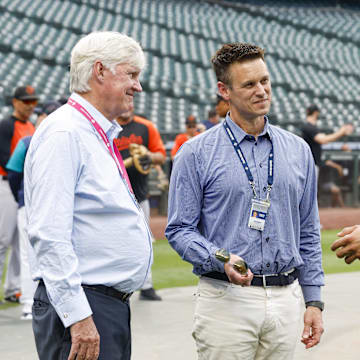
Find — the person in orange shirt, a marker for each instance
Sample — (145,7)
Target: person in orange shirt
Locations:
(11,131)
(141,131)
(191,131)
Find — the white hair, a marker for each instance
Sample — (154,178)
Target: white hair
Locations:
(109,47)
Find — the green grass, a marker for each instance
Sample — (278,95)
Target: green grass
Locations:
(331,263)
(169,270)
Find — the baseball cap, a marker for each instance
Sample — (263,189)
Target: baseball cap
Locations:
(47,107)
(191,119)
(25,93)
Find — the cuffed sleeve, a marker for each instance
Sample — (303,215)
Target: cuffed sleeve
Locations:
(311,293)
(74,309)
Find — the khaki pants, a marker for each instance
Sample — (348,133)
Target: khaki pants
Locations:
(28,286)
(9,239)
(145,206)
(245,323)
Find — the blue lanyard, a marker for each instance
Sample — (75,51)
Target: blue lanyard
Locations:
(246,166)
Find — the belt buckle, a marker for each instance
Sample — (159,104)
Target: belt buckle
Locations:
(264,280)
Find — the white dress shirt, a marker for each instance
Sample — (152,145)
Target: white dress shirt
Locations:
(83,224)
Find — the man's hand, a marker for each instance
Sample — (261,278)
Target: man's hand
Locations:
(347,129)
(234,276)
(313,327)
(85,340)
(348,245)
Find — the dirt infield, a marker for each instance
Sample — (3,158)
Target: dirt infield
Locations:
(330,218)
(336,218)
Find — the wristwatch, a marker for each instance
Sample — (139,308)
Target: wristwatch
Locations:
(319,304)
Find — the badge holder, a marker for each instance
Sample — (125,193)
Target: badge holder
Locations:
(258,212)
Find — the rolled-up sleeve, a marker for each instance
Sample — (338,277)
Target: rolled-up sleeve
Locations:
(311,274)
(52,169)
(184,212)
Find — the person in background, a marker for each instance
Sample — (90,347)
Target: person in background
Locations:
(315,138)
(91,240)
(140,131)
(213,119)
(191,131)
(329,174)
(11,131)
(245,193)
(15,169)
(222,106)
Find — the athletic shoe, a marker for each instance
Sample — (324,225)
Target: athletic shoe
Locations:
(149,294)
(15,298)
(26,316)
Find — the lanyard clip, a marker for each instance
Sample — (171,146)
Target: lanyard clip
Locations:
(252,184)
(268,193)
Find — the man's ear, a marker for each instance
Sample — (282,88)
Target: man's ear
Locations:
(98,71)
(223,90)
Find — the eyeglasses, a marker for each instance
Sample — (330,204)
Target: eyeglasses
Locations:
(191,125)
(30,102)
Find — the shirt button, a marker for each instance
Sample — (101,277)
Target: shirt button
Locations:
(268,265)
(267,239)
(260,165)
(66,315)
(264,188)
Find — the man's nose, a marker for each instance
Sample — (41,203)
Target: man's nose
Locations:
(260,90)
(137,86)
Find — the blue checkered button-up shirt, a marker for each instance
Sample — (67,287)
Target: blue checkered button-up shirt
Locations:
(210,200)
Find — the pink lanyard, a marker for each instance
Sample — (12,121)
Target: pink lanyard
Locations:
(117,156)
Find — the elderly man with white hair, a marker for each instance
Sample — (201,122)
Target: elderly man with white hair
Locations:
(91,240)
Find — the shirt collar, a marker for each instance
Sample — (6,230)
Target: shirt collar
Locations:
(111,128)
(240,134)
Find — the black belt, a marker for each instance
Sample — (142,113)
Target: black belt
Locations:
(281,279)
(106,290)
(109,291)
(4,177)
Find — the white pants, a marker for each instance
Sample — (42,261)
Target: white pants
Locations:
(28,286)
(245,323)
(145,206)
(9,239)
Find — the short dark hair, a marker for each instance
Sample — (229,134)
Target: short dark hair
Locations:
(212,113)
(311,109)
(219,99)
(231,53)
